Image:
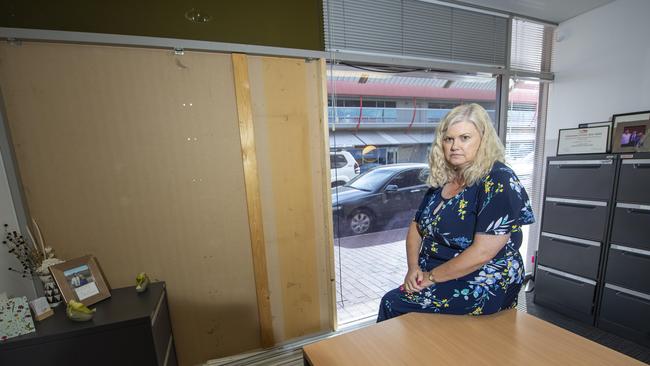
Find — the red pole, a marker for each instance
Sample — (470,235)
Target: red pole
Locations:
(360,111)
(412,117)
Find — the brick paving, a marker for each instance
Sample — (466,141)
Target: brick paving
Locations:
(367,266)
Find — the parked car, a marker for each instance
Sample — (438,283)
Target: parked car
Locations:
(387,195)
(343,167)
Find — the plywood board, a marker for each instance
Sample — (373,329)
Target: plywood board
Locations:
(288,118)
(134,156)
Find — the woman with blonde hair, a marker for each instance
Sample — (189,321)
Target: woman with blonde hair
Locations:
(463,245)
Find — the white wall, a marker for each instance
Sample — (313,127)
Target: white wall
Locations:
(602,67)
(10,282)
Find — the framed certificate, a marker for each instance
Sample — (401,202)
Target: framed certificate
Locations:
(588,140)
(597,124)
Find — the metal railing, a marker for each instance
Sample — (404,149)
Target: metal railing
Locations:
(374,115)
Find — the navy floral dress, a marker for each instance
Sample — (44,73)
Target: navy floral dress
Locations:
(496,205)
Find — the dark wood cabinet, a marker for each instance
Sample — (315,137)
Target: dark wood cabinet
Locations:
(129,328)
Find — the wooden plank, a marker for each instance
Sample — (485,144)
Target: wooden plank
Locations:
(286,115)
(508,338)
(253,200)
(327,188)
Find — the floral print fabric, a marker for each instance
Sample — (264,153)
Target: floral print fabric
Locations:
(496,205)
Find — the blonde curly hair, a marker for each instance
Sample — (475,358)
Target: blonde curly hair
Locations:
(490,150)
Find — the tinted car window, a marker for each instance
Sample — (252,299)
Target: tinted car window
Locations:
(371,180)
(337,161)
(407,179)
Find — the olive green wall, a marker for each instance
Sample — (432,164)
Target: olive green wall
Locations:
(280,23)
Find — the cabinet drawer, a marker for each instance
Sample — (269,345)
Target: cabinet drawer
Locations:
(625,312)
(629,268)
(588,179)
(631,223)
(577,218)
(633,181)
(161,328)
(565,293)
(560,252)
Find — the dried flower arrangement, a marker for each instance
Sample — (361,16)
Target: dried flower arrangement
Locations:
(32,260)
(29,257)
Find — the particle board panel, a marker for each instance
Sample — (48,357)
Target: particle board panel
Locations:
(288,119)
(134,156)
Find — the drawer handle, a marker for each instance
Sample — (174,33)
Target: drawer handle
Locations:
(630,297)
(632,254)
(590,207)
(582,166)
(581,284)
(570,243)
(637,211)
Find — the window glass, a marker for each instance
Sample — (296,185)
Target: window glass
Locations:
(522,147)
(396,125)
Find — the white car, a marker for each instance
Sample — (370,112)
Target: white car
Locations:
(343,167)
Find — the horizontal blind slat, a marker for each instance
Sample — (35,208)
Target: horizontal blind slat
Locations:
(415,28)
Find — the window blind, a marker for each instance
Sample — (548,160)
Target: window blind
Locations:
(415,28)
(532,46)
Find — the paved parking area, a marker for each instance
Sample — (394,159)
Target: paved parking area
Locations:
(367,266)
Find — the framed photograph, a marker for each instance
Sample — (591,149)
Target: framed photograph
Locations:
(588,140)
(629,117)
(631,137)
(81,279)
(597,124)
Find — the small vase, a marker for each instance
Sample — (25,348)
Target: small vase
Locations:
(52,293)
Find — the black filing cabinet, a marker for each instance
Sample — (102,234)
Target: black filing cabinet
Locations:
(593,259)
(577,203)
(625,303)
(129,328)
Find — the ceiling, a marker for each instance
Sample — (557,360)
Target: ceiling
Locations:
(554,11)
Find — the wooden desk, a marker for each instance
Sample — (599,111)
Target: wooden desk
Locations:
(506,338)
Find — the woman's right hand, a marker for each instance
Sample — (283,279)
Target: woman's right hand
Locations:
(413,279)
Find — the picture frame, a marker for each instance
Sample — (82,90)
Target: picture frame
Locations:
(627,117)
(588,140)
(603,123)
(631,137)
(81,279)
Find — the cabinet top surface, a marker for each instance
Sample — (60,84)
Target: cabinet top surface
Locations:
(125,305)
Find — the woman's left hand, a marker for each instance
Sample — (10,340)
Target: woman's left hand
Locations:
(424,282)
(412,279)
